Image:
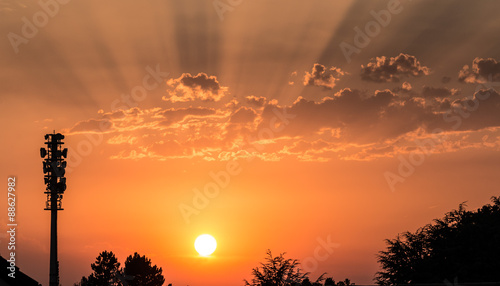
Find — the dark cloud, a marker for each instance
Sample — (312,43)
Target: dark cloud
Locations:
(189,88)
(354,111)
(480,111)
(482,70)
(446,79)
(321,76)
(372,118)
(384,69)
(201,80)
(432,92)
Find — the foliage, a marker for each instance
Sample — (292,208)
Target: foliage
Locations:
(138,271)
(346,282)
(464,244)
(143,273)
(329,281)
(279,271)
(105,267)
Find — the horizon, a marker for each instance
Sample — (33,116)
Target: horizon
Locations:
(318,129)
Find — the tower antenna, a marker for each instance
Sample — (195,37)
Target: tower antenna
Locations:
(54,167)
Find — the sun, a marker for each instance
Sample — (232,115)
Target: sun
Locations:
(205,244)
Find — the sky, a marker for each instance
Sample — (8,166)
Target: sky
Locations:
(315,128)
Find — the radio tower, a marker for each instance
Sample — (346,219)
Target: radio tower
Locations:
(54,169)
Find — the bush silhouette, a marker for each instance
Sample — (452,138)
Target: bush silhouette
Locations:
(281,271)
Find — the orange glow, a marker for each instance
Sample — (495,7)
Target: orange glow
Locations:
(252,126)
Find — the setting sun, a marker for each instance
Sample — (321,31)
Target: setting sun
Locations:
(205,244)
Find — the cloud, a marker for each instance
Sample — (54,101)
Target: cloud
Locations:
(11,6)
(351,125)
(161,150)
(481,71)
(479,112)
(174,115)
(384,69)
(258,101)
(243,115)
(317,150)
(291,80)
(92,126)
(321,76)
(433,92)
(109,122)
(354,111)
(304,146)
(364,118)
(190,88)
(404,88)
(122,139)
(372,152)
(445,79)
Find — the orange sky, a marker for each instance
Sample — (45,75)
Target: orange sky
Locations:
(155,98)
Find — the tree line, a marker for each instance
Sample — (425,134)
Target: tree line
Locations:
(462,245)
(138,271)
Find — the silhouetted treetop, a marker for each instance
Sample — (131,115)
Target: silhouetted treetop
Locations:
(463,244)
(143,272)
(105,267)
(138,271)
(281,271)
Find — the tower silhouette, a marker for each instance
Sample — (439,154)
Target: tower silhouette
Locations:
(54,170)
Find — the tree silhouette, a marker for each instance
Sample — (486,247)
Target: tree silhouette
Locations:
(279,271)
(137,271)
(306,282)
(346,282)
(463,244)
(329,281)
(105,267)
(143,273)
